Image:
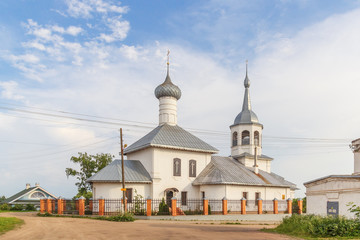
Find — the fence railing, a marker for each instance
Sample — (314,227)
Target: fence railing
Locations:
(150,207)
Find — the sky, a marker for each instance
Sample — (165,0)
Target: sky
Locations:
(72,72)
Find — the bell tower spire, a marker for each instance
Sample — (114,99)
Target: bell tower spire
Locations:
(246,130)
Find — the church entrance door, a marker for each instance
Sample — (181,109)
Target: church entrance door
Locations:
(169,195)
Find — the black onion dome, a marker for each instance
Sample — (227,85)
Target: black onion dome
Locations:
(167,89)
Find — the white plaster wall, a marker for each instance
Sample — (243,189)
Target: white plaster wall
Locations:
(263,164)
(113,190)
(342,191)
(167,111)
(239,149)
(236,192)
(213,191)
(163,171)
(146,157)
(356,163)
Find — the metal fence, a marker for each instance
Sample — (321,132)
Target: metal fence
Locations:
(282,206)
(70,206)
(234,206)
(251,206)
(191,206)
(159,207)
(113,207)
(94,207)
(215,206)
(268,206)
(137,206)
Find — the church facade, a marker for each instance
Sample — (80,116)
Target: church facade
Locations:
(169,161)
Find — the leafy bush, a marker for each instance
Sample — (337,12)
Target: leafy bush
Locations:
(163,208)
(30,207)
(17,207)
(4,207)
(317,226)
(127,217)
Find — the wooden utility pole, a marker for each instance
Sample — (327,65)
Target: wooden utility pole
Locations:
(122,170)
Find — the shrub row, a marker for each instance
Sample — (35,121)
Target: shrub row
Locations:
(317,226)
(17,207)
(127,217)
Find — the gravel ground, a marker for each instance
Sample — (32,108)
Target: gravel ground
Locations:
(75,228)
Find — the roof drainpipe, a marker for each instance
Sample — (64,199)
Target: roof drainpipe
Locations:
(255,162)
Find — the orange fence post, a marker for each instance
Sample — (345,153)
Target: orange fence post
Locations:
(289,206)
(173,206)
(42,205)
(60,206)
(205,206)
(81,202)
(260,208)
(224,206)
(276,205)
(148,207)
(49,205)
(101,206)
(300,204)
(243,206)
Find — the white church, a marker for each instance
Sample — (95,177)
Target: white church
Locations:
(169,161)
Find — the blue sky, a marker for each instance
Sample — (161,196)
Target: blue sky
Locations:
(105,58)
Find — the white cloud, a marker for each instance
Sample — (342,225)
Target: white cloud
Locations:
(85,8)
(72,30)
(9,90)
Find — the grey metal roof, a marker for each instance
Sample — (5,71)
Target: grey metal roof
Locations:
(227,170)
(167,88)
(134,171)
(246,115)
(334,176)
(168,136)
(245,154)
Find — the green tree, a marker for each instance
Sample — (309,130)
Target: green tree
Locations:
(2,198)
(89,164)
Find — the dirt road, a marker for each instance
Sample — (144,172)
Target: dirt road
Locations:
(74,228)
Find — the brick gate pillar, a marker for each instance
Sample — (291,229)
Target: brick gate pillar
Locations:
(243,206)
(260,208)
(81,206)
(148,207)
(101,206)
(224,206)
(289,206)
(60,206)
(205,206)
(276,205)
(173,206)
(300,204)
(49,205)
(42,205)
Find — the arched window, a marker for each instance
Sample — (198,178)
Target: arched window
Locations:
(37,195)
(245,138)
(177,167)
(235,139)
(192,168)
(256,138)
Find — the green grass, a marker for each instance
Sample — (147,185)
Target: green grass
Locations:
(9,223)
(317,227)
